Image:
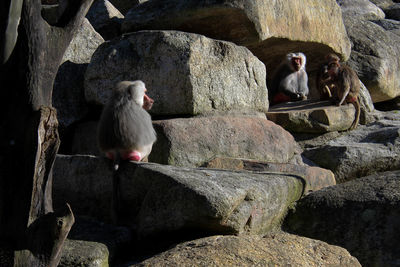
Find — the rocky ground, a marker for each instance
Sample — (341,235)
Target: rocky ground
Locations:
(231,180)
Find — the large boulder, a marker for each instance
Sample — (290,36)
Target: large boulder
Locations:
(363,9)
(374,57)
(362,216)
(270,29)
(366,150)
(105,18)
(278,249)
(184,73)
(195,141)
(158,198)
(68,93)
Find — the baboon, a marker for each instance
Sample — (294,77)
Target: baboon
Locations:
(125,129)
(323,81)
(346,87)
(289,83)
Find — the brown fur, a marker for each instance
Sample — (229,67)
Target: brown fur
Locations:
(346,85)
(323,80)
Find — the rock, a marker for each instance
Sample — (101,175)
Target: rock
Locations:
(192,142)
(312,116)
(389,25)
(116,238)
(393,12)
(375,58)
(278,249)
(315,178)
(83,253)
(363,9)
(184,73)
(362,216)
(159,198)
(68,92)
(382,3)
(83,45)
(269,29)
(393,104)
(105,18)
(85,139)
(366,150)
(125,5)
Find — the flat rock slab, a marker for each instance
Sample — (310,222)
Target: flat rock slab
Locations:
(185,73)
(193,142)
(268,28)
(312,116)
(315,178)
(278,249)
(159,198)
(362,216)
(366,150)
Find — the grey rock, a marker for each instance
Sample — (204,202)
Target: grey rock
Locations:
(362,216)
(374,57)
(389,25)
(366,150)
(159,198)
(84,140)
(83,45)
(83,253)
(105,18)
(315,178)
(362,9)
(277,249)
(184,73)
(393,12)
(68,92)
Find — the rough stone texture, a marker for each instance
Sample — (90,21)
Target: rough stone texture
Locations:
(159,198)
(83,45)
(362,216)
(393,11)
(382,3)
(270,29)
(389,25)
(84,140)
(363,9)
(195,141)
(68,93)
(312,116)
(184,73)
(315,178)
(83,253)
(366,150)
(105,18)
(278,249)
(374,57)
(125,5)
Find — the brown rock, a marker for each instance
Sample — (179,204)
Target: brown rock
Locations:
(194,141)
(312,117)
(270,29)
(279,249)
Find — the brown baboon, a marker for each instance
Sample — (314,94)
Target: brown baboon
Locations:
(346,87)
